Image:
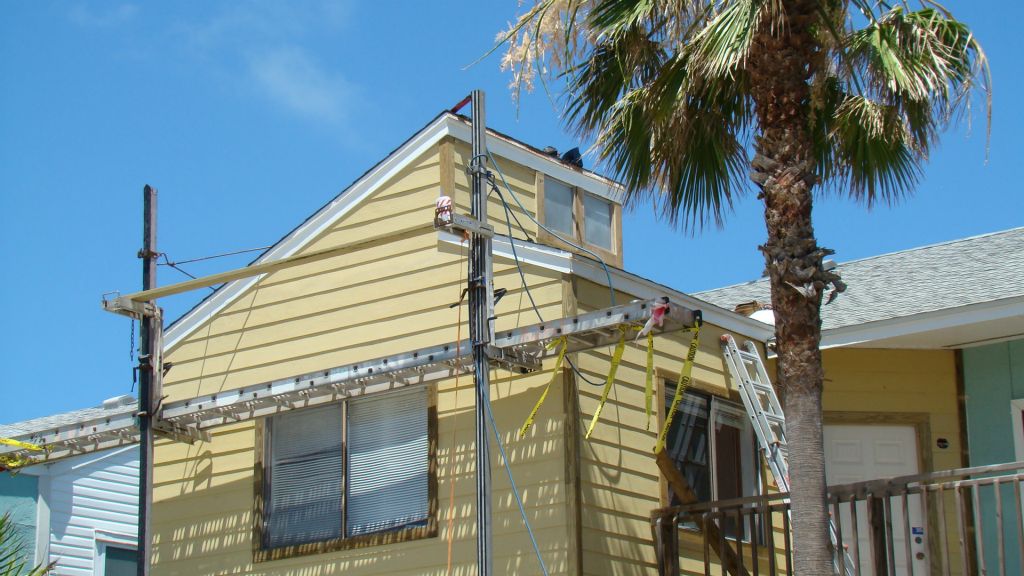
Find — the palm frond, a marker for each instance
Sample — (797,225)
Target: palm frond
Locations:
(721,46)
(924,63)
(12,552)
(869,151)
(678,142)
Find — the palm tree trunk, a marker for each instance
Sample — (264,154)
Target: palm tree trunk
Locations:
(781,64)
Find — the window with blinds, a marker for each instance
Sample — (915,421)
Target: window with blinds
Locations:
(347,470)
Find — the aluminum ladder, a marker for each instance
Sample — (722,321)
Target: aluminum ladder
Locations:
(769,422)
(521,350)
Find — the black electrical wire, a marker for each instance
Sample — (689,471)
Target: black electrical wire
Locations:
(522,277)
(235,253)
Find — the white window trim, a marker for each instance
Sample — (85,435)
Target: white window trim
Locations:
(104,539)
(1016,408)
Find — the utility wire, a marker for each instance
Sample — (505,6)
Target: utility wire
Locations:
(235,253)
(174,265)
(515,491)
(522,276)
(549,231)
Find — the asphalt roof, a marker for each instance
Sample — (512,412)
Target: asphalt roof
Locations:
(114,407)
(941,276)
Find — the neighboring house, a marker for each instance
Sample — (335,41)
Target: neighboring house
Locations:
(80,513)
(383,482)
(924,364)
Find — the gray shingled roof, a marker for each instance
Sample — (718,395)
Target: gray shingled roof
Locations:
(942,276)
(112,407)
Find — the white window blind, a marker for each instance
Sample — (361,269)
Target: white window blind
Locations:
(388,483)
(597,221)
(558,206)
(305,476)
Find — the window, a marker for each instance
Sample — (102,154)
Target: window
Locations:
(597,221)
(120,561)
(581,217)
(558,211)
(346,472)
(713,446)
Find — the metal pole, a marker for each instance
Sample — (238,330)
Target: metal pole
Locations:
(481,306)
(149,375)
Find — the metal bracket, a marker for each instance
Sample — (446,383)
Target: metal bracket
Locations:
(180,433)
(460,223)
(127,307)
(513,360)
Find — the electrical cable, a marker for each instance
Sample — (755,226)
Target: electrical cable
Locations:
(549,231)
(235,253)
(515,491)
(522,276)
(455,413)
(174,265)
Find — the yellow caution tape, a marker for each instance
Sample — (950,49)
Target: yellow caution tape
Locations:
(14,461)
(555,373)
(20,444)
(649,389)
(616,359)
(681,386)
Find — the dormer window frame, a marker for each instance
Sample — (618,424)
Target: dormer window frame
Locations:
(612,255)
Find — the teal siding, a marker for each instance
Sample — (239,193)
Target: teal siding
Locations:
(18,498)
(994,375)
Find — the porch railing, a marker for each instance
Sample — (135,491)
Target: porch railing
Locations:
(967,521)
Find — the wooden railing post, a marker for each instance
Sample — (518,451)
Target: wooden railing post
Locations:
(712,531)
(666,544)
(876,528)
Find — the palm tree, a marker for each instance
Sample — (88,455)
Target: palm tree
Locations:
(686,99)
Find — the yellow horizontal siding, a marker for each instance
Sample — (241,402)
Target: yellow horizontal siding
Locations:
(388,296)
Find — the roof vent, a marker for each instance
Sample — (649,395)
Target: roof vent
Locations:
(573,158)
(551,151)
(118,401)
(829,265)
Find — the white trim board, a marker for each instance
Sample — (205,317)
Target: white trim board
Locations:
(924,322)
(568,263)
(445,125)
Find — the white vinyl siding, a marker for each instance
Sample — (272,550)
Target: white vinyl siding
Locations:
(373,449)
(597,221)
(305,476)
(90,495)
(387,455)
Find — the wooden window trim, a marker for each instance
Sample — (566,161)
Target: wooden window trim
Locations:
(612,257)
(261,553)
(662,376)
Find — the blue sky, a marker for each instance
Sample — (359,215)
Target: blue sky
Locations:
(248,116)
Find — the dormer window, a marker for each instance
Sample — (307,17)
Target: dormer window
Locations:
(597,221)
(558,207)
(580,217)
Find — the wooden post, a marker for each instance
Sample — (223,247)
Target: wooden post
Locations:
(876,526)
(149,376)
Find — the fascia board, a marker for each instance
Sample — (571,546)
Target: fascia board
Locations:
(924,322)
(643,288)
(307,232)
(520,154)
(567,263)
(528,253)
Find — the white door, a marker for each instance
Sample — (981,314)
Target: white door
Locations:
(854,453)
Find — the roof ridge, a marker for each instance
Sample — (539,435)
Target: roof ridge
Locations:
(933,245)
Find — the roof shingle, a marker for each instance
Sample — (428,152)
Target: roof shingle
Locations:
(941,276)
